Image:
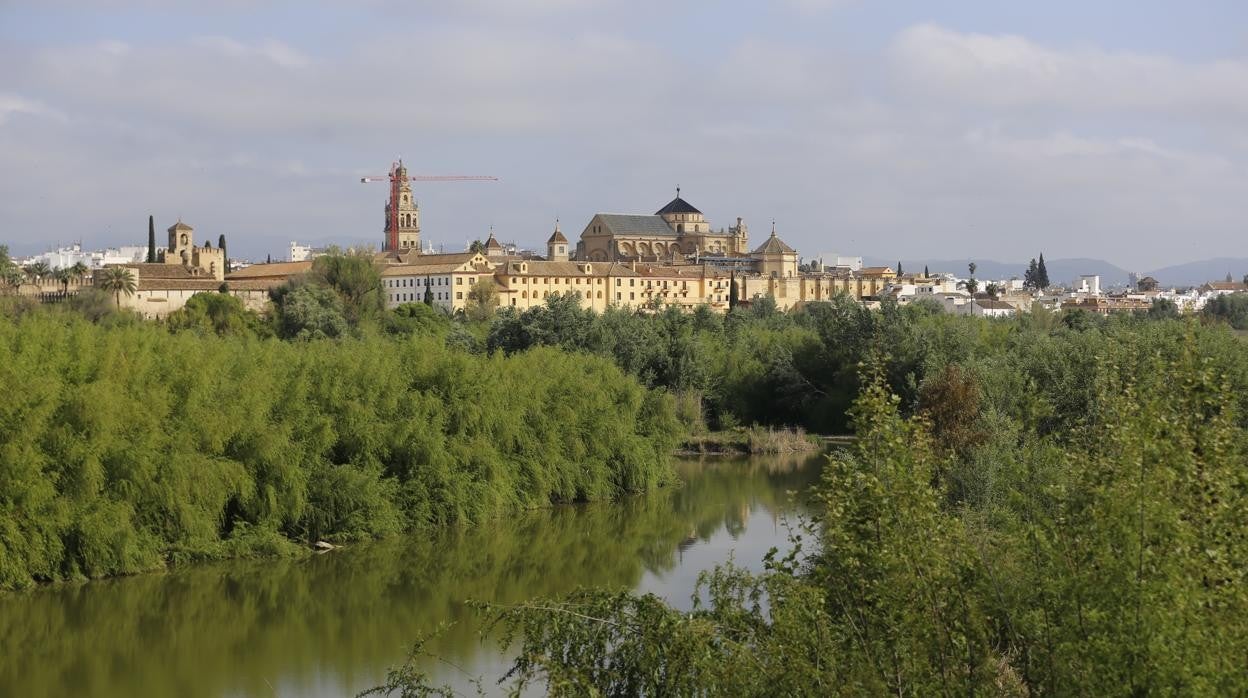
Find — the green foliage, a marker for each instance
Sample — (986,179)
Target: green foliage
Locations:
(356,279)
(308,311)
(1067,514)
(118,280)
(1231,308)
(123,445)
(151,240)
(216,313)
(482,299)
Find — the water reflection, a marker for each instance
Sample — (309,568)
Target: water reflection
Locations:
(331,624)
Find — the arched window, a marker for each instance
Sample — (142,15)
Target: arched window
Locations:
(183,239)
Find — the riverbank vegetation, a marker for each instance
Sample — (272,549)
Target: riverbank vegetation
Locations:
(124,446)
(1057,506)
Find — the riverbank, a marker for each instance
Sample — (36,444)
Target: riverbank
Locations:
(129,449)
(750,441)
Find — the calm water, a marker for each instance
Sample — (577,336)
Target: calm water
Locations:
(331,624)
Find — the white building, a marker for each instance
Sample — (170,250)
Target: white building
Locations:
(1089,285)
(830,261)
(991,308)
(64,257)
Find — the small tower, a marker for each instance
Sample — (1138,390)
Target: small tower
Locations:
(181,243)
(557,246)
(494,250)
(408,231)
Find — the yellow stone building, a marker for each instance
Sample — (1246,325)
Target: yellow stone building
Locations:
(675,231)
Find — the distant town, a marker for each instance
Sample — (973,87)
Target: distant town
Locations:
(672,257)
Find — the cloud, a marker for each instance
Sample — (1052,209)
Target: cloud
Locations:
(274,51)
(14,104)
(1012,71)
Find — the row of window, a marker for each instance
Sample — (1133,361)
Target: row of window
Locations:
(437,296)
(433,281)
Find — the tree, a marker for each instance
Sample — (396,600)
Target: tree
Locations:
(13,278)
(477,247)
(268,259)
(926,273)
(482,299)
(118,280)
(63,275)
(37,271)
(1162,309)
(1231,307)
(356,278)
(151,240)
(309,311)
(1229,278)
(899,271)
(1042,274)
(78,271)
(733,294)
(216,313)
(224,253)
(971,284)
(1029,278)
(428,293)
(972,267)
(992,289)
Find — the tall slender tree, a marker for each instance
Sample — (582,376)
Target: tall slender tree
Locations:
(151,240)
(428,292)
(224,253)
(732,293)
(926,273)
(1042,274)
(899,271)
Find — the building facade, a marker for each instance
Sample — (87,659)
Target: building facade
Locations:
(675,231)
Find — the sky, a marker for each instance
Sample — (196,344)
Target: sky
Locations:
(970,129)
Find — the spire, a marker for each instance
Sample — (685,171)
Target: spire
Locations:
(773,227)
(677,191)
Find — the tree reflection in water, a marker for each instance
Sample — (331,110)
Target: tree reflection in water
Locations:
(332,624)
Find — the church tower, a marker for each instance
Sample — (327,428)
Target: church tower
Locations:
(407,234)
(557,246)
(181,243)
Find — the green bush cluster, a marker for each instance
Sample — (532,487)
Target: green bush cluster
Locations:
(1056,509)
(124,446)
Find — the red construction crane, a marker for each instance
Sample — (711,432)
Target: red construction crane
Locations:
(398,175)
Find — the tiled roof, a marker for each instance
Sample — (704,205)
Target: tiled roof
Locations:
(180,226)
(774,245)
(677,205)
(629,224)
(994,305)
(556,236)
(273,270)
(158,270)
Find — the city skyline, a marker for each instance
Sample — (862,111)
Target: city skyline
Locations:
(902,131)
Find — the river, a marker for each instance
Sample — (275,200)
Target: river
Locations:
(331,624)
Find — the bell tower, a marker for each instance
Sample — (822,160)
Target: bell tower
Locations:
(557,246)
(407,232)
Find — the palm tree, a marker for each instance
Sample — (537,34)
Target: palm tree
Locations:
(118,280)
(63,275)
(38,271)
(78,271)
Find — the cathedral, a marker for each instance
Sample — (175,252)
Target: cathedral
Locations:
(676,231)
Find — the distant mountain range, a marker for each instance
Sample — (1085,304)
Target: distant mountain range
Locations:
(1064,271)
